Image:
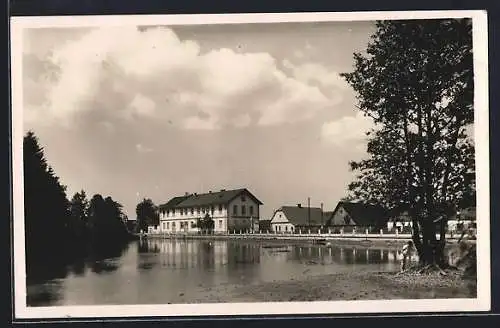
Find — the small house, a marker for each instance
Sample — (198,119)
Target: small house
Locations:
(402,223)
(153,229)
(357,216)
(290,219)
(463,220)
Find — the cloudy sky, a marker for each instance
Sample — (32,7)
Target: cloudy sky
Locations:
(158,111)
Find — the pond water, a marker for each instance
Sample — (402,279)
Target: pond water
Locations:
(154,271)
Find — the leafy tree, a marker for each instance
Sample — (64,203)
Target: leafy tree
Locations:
(45,204)
(105,220)
(147,214)
(416,82)
(205,224)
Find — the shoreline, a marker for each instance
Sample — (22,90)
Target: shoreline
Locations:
(351,239)
(339,287)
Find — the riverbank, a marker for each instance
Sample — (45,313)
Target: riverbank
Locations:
(324,239)
(341,286)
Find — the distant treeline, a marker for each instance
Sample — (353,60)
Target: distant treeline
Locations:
(58,229)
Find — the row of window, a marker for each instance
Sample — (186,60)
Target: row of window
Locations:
(198,210)
(192,224)
(203,210)
(278,228)
(243,210)
(184,225)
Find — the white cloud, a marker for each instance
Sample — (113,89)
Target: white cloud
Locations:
(348,130)
(154,74)
(142,106)
(316,73)
(197,123)
(242,121)
(142,149)
(298,54)
(107,126)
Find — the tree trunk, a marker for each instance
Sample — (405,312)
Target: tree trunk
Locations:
(430,251)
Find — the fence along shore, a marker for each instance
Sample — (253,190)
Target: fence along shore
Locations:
(309,236)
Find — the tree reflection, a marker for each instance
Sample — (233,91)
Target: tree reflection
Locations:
(148,246)
(104,259)
(207,255)
(78,268)
(44,294)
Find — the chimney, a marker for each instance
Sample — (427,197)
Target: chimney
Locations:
(308,210)
(186,194)
(321,214)
(299,205)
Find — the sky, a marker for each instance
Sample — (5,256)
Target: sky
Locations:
(157,111)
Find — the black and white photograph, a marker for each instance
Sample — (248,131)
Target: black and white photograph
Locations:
(247,164)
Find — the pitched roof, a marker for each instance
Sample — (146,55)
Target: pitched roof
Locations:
(173,202)
(363,214)
(213,198)
(299,216)
(327,215)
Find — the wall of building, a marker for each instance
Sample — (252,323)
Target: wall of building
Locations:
(399,225)
(280,223)
(240,221)
(171,221)
(282,227)
(279,217)
(225,219)
(455,225)
(339,216)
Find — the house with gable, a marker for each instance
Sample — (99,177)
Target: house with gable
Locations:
(231,210)
(290,219)
(358,216)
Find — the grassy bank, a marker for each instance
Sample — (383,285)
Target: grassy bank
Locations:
(341,286)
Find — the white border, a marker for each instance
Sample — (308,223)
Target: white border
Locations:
(480,48)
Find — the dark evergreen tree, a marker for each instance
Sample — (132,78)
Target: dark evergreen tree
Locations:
(59,232)
(46,208)
(79,214)
(105,221)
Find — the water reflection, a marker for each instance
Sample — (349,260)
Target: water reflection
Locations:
(46,294)
(157,270)
(210,255)
(106,259)
(45,278)
(339,255)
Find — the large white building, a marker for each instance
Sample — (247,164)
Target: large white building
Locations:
(231,210)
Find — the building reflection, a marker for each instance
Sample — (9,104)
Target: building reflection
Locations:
(236,259)
(201,254)
(343,255)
